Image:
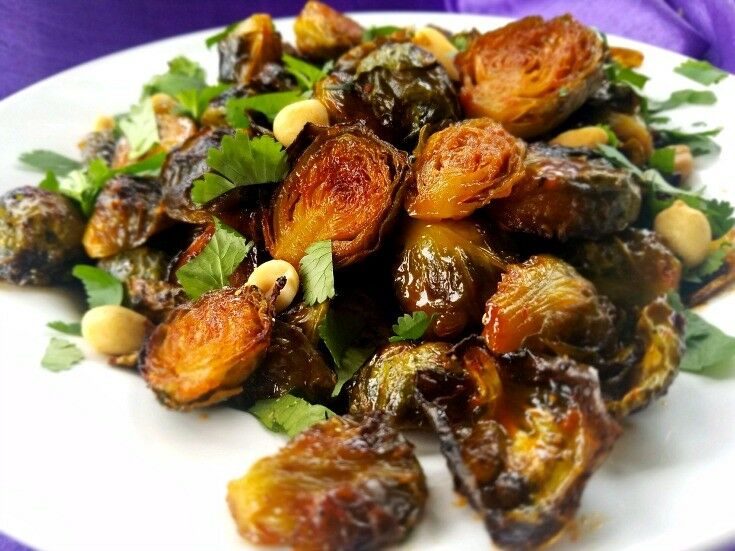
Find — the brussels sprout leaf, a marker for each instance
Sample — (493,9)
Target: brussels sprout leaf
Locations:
(212,267)
(61,355)
(702,72)
(70,328)
(101,287)
(683,97)
(194,101)
(240,161)
(183,74)
(317,273)
(220,36)
(289,414)
(663,159)
(305,73)
(45,160)
(140,128)
(268,104)
(411,327)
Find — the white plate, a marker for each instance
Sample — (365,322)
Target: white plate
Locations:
(89,460)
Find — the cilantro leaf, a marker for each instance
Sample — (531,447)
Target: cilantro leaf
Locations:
(411,327)
(49,161)
(268,104)
(183,74)
(220,36)
(317,273)
(305,73)
(352,360)
(101,287)
(371,33)
(212,267)
(617,73)
(338,333)
(702,72)
(711,264)
(240,161)
(612,138)
(663,159)
(701,143)
(70,328)
(683,97)
(194,101)
(140,128)
(289,414)
(61,355)
(148,166)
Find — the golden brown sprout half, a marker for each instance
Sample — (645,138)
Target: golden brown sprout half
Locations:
(345,484)
(203,351)
(531,74)
(324,33)
(462,168)
(524,463)
(347,186)
(249,50)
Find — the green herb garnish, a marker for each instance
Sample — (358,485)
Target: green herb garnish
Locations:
(268,104)
(702,72)
(305,73)
(289,414)
(220,36)
(663,159)
(140,128)
(101,287)
(61,355)
(371,33)
(69,328)
(183,74)
(683,97)
(45,161)
(317,273)
(411,327)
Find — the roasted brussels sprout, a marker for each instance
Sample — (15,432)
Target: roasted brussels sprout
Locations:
(634,136)
(324,33)
(99,144)
(203,351)
(40,236)
(531,74)
(346,483)
(307,318)
(721,279)
(128,211)
(395,88)
(387,382)
(567,193)
(249,49)
(447,270)
(547,299)
(524,464)
(464,167)
(347,186)
(635,255)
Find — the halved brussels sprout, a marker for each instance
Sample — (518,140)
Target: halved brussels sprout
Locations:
(347,186)
(387,382)
(204,350)
(524,463)
(128,211)
(99,144)
(307,318)
(345,483)
(531,74)
(721,279)
(40,236)
(249,49)
(394,87)
(447,270)
(545,298)
(568,193)
(462,168)
(324,33)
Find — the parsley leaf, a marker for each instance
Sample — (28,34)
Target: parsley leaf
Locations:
(61,355)
(701,143)
(101,287)
(317,273)
(212,267)
(617,73)
(352,360)
(289,414)
(683,97)
(140,128)
(663,159)
(73,328)
(411,327)
(45,160)
(194,101)
(268,104)
(305,73)
(372,33)
(220,36)
(240,161)
(338,332)
(183,74)
(702,72)
(711,264)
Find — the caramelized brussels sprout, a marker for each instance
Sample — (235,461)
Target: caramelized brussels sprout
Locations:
(40,236)
(394,88)
(249,50)
(387,382)
(99,144)
(203,351)
(547,299)
(141,262)
(633,134)
(721,279)
(324,33)
(347,186)
(567,193)
(464,167)
(531,74)
(447,270)
(345,483)
(635,255)
(307,318)
(128,211)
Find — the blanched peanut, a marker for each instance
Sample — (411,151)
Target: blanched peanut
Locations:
(435,42)
(291,119)
(686,231)
(114,330)
(587,136)
(264,278)
(683,160)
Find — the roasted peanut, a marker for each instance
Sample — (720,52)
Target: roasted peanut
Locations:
(264,278)
(291,119)
(436,43)
(683,160)
(587,136)
(114,330)
(686,231)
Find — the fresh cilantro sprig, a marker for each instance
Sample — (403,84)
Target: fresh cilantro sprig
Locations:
(269,104)
(682,97)
(411,327)
(714,261)
(240,161)
(619,74)
(101,287)
(140,128)
(339,332)
(220,36)
(213,266)
(69,328)
(702,72)
(317,273)
(194,101)
(371,33)
(289,414)
(306,74)
(183,74)
(61,355)
(663,159)
(700,143)
(45,161)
